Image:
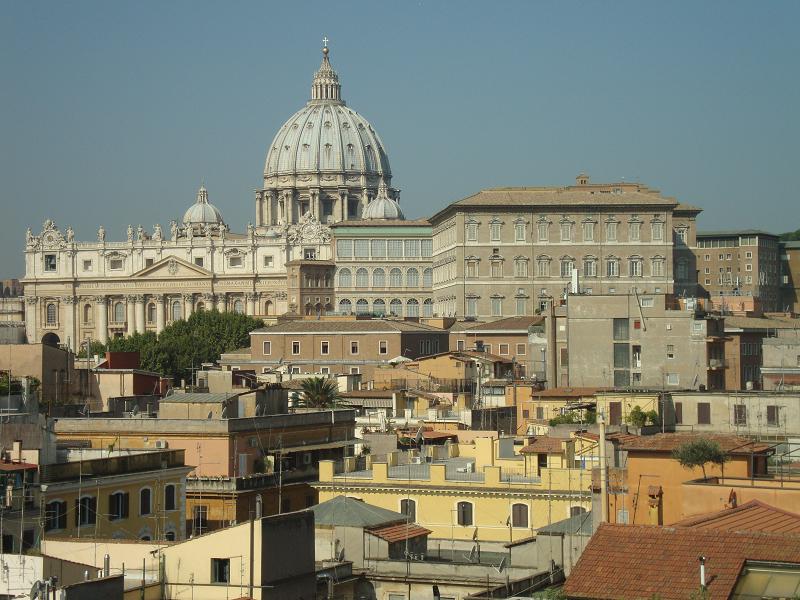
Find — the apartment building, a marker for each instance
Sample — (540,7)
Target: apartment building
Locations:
(336,346)
(744,340)
(638,340)
(737,266)
(509,251)
(781,361)
(790,276)
(383,267)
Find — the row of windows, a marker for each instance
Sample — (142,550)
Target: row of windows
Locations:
(366,248)
(118,508)
(325,347)
(117,263)
(740,414)
(465,512)
(635,267)
(396,278)
(395,307)
(567,231)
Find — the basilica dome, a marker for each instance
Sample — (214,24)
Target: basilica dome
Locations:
(382,207)
(202,212)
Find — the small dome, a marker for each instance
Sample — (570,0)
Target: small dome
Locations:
(202,211)
(382,207)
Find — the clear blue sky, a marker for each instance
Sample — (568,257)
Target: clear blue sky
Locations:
(112,113)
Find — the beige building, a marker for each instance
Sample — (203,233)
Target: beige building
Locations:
(790,276)
(335,345)
(639,340)
(509,251)
(739,264)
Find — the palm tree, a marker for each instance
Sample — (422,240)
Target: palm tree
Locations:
(319,392)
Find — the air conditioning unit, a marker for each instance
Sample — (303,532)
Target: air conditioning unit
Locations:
(161,444)
(416,460)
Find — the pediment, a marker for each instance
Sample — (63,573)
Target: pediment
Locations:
(171,267)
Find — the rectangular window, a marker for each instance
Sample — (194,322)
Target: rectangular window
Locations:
(566,232)
(50,262)
(296,348)
(412,248)
(543,229)
(472,269)
(395,248)
(464,513)
(497,307)
(563,357)
(324,347)
(521,349)
(519,232)
(611,231)
(678,413)
(497,269)
(612,268)
(325,370)
(503,349)
(354,347)
(118,504)
(635,268)
(620,327)
(220,570)
(647,302)
(267,348)
(540,412)
(200,517)
(739,414)
(634,231)
(590,268)
(354,371)
(622,356)
(115,264)
(703,413)
(472,232)
(472,307)
(588,231)
(378,248)
(87,265)
(461,345)
(361,249)
(520,306)
(383,347)
(268,261)
(198,260)
(657,231)
(427,248)
(670,351)
(235,261)
(494,232)
(772,416)
(344,248)
(86,511)
(673,379)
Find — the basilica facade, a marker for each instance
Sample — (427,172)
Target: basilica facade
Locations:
(325,165)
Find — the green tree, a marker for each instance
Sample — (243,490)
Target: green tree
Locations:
(698,453)
(790,235)
(319,392)
(639,418)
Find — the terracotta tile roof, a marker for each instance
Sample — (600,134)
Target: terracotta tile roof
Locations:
(616,437)
(399,532)
(543,445)
(17,466)
(667,442)
(750,516)
(631,562)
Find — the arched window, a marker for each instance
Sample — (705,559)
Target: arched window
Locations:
(170,536)
(169,497)
(145,501)
(362,278)
(396,307)
(464,513)
(345,278)
(408,508)
(176,311)
(268,307)
(412,278)
(427,308)
(119,312)
(151,313)
(519,515)
(574,511)
(345,306)
(395,278)
(200,307)
(87,313)
(427,278)
(412,308)
(379,278)
(238,307)
(379,307)
(362,307)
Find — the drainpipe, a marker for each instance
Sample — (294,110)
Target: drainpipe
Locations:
(601,423)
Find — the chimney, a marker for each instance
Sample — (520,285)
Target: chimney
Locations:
(702,560)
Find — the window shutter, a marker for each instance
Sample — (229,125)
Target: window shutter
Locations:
(92,510)
(113,510)
(125,504)
(77,512)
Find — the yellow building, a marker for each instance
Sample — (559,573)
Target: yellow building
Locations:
(482,491)
(127,495)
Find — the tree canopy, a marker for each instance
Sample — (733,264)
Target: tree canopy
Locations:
(791,236)
(319,392)
(186,344)
(698,453)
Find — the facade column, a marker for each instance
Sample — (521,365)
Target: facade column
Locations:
(342,206)
(130,305)
(102,319)
(221,302)
(140,326)
(288,205)
(251,303)
(69,321)
(259,208)
(188,305)
(271,202)
(31,318)
(160,320)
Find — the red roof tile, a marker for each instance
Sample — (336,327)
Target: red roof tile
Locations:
(631,562)
(17,466)
(399,532)
(750,516)
(667,442)
(543,445)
